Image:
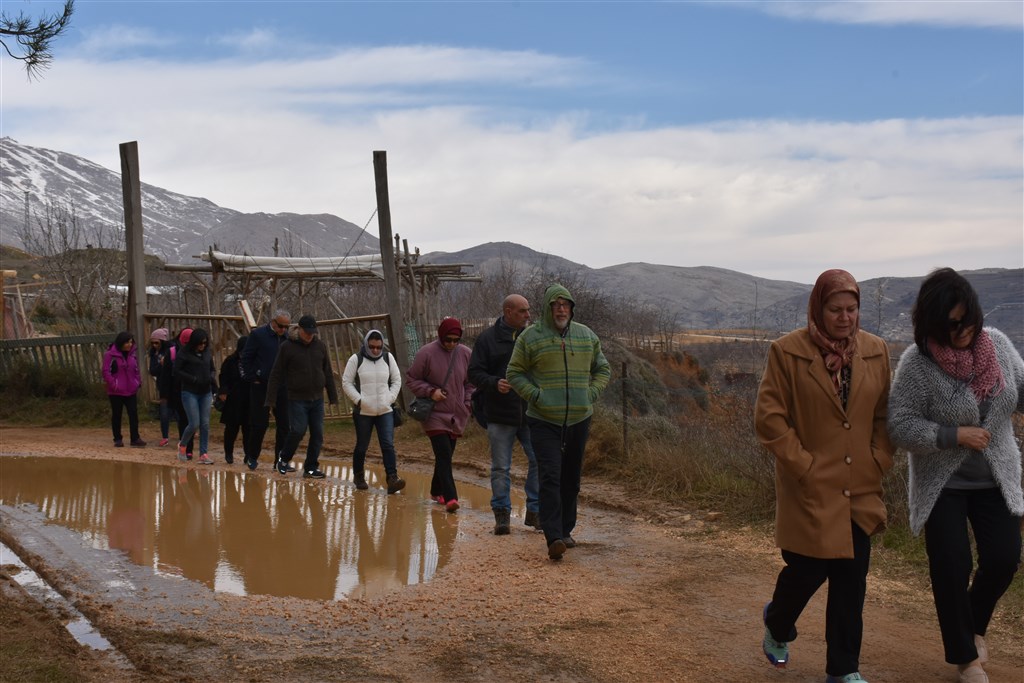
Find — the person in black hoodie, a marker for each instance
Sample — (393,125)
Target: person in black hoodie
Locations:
(194,369)
(505,412)
(303,366)
(160,366)
(234,392)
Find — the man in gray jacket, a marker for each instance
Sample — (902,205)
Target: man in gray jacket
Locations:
(304,366)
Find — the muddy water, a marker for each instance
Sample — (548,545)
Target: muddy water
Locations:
(247,533)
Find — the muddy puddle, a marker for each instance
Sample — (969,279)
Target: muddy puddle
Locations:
(249,533)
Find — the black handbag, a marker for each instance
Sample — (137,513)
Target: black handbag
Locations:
(397,415)
(421,408)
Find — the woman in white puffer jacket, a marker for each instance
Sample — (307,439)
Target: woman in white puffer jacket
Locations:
(372,381)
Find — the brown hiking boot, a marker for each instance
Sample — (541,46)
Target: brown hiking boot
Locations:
(532,519)
(360,480)
(502,519)
(395,483)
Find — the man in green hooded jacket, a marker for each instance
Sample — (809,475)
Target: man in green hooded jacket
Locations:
(558,368)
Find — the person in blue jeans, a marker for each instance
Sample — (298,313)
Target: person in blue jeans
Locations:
(505,412)
(194,369)
(372,381)
(303,366)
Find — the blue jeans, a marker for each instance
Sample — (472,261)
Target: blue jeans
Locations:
(303,414)
(385,425)
(503,438)
(197,409)
(559,450)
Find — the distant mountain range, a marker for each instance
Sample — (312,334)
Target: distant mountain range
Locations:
(177,227)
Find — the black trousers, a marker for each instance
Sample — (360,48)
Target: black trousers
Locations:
(801,578)
(127,403)
(559,452)
(259,421)
(443,481)
(965,607)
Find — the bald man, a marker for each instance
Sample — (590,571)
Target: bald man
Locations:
(505,412)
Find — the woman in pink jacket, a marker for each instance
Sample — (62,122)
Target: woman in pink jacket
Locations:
(440,371)
(121,374)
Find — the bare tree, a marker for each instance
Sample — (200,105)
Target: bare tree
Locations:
(33,37)
(87,266)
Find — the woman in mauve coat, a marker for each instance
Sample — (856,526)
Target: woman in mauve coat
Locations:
(821,411)
(429,377)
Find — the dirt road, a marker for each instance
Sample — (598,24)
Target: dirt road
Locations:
(650,593)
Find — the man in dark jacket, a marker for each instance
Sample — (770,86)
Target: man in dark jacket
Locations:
(505,411)
(304,367)
(257,360)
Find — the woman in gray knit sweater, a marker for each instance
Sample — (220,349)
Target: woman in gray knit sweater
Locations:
(950,406)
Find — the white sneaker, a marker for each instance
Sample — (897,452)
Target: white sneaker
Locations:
(982,648)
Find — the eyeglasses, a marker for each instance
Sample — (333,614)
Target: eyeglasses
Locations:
(451,340)
(560,304)
(280,326)
(376,347)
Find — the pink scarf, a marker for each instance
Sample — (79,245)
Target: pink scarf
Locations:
(976,365)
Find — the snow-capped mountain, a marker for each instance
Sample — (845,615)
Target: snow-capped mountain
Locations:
(176,227)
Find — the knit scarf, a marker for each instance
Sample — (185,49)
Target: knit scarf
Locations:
(976,365)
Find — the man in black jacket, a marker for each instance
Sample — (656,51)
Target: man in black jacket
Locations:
(255,364)
(304,367)
(505,411)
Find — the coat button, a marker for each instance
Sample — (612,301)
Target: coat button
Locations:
(846,492)
(849,460)
(846,425)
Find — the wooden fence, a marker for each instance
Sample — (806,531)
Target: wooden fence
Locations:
(84,353)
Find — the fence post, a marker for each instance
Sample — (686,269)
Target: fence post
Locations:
(625,412)
(387,255)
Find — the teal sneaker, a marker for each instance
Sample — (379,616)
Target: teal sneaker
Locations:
(776,651)
(855,676)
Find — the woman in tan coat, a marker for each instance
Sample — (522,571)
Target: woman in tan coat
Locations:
(821,410)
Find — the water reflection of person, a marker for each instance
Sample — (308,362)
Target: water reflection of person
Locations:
(306,566)
(126,523)
(187,538)
(383,556)
(245,528)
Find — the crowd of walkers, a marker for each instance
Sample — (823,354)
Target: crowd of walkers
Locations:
(829,409)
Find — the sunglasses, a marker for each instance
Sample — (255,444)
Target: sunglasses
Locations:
(451,340)
(958,324)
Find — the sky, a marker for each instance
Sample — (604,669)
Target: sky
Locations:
(778,139)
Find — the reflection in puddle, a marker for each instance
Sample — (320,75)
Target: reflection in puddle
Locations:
(247,533)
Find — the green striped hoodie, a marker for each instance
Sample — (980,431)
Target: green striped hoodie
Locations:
(559,374)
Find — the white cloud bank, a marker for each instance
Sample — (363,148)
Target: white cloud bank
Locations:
(783,199)
(1008,14)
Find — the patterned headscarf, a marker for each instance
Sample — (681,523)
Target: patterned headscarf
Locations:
(837,353)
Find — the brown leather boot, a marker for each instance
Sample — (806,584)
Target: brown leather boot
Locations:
(360,480)
(395,483)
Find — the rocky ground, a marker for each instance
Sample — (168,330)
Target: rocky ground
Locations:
(650,593)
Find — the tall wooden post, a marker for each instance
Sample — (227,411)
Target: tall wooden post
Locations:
(131,188)
(387,255)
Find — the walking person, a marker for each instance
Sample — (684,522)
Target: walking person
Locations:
(303,366)
(372,381)
(821,411)
(558,368)
(193,366)
(160,362)
(505,412)
(440,372)
(174,401)
(256,362)
(951,408)
(123,379)
(234,394)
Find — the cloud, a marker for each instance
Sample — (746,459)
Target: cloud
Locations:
(109,41)
(778,198)
(251,40)
(976,13)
